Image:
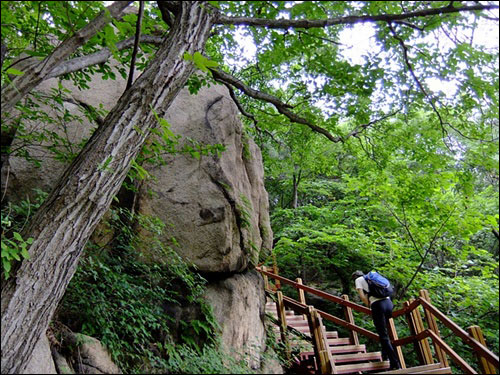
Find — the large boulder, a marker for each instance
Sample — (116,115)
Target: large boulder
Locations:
(92,358)
(41,361)
(238,304)
(216,207)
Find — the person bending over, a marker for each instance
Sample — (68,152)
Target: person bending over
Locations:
(381,313)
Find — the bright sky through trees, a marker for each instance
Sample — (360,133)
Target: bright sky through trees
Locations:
(359,40)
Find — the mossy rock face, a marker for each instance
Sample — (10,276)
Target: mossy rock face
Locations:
(215,207)
(92,357)
(238,303)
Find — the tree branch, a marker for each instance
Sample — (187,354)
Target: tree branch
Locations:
(419,84)
(165,13)
(37,25)
(2,55)
(495,232)
(431,245)
(282,108)
(101,56)
(431,100)
(362,127)
(307,24)
(23,84)
(407,228)
(300,32)
(136,45)
(410,25)
(249,115)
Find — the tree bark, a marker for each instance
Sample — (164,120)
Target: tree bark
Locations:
(296,182)
(83,194)
(79,63)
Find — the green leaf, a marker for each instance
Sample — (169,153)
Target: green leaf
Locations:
(6,267)
(14,72)
(24,253)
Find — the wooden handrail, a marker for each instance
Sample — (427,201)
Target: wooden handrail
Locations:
(296,306)
(350,326)
(405,310)
(478,347)
(453,355)
(438,341)
(317,292)
(300,308)
(485,366)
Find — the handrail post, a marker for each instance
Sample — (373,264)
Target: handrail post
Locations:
(302,295)
(425,348)
(277,283)
(413,331)
(393,335)
(321,350)
(283,325)
(350,318)
(485,365)
(431,321)
(266,279)
(328,354)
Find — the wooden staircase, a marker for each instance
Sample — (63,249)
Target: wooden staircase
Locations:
(347,358)
(312,350)
(435,368)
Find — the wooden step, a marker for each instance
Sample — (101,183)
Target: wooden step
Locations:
(441,370)
(273,310)
(303,329)
(296,318)
(369,366)
(435,368)
(348,349)
(358,357)
(339,341)
(332,334)
(342,349)
(297,323)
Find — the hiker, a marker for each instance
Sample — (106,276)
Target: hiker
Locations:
(381,307)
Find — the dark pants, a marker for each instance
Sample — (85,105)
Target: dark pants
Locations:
(381,312)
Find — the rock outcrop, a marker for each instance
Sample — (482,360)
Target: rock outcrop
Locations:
(238,305)
(215,206)
(41,361)
(92,357)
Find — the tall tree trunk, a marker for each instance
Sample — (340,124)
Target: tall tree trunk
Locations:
(66,220)
(296,182)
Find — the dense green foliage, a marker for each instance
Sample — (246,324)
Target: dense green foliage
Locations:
(410,187)
(123,298)
(414,195)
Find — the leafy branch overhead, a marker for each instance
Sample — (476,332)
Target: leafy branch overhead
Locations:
(285,109)
(377,85)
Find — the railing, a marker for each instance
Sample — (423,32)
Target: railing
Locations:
(488,361)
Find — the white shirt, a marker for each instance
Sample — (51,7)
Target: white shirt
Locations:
(362,284)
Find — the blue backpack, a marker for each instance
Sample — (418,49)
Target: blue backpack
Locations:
(379,286)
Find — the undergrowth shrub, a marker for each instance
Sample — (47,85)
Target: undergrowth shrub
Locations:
(123,297)
(14,218)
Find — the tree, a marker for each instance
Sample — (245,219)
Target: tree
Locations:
(65,221)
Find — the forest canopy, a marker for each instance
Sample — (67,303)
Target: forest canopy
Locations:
(383,157)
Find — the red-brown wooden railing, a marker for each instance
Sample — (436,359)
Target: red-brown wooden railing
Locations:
(488,361)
